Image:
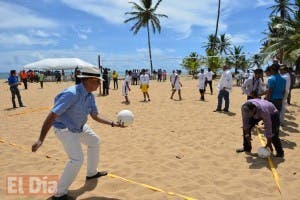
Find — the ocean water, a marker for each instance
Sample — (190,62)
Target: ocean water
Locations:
(4,75)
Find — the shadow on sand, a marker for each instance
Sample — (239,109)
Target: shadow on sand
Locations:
(88,186)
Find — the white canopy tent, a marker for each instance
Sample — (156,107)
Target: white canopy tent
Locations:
(58,64)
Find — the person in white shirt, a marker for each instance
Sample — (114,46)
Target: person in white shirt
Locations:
(253,86)
(285,74)
(201,85)
(209,77)
(144,84)
(245,76)
(224,87)
(172,78)
(125,86)
(176,85)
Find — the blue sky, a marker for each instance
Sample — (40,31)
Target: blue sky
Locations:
(31,30)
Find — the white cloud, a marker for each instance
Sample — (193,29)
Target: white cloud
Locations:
(43,34)
(8,39)
(182,15)
(81,31)
(15,16)
(240,39)
(261,3)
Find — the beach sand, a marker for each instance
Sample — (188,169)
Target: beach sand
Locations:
(180,147)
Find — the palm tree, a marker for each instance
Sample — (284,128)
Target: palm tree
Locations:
(257,60)
(144,15)
(283,8)
(212,43)
(224,45)
(237,58)
(191,63)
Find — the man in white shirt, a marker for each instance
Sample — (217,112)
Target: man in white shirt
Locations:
(224,87)
(284,73)
(144,84)
(176,85)
(253,86)
(172,78)
(201,78)
(209,76)
(125,86)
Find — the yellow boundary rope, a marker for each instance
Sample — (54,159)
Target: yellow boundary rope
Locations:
(271,164)
(110,175)
(151,187)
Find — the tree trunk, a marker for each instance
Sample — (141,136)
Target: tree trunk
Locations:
(149,47)
(217,27)
(281,55)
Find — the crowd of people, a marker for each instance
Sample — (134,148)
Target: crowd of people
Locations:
(266,100)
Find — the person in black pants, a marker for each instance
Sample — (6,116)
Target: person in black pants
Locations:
(13,83)
(105,82)
(255,110)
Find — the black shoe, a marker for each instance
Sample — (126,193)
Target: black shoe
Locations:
(217,110)
(240,150)
(64,197)
(279,155)
(99,174)
(225,110)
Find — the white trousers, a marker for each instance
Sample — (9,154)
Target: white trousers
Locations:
(71,142)
(283,107)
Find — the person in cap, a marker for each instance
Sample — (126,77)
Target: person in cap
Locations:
(253,87)
(68,118)
(253,111)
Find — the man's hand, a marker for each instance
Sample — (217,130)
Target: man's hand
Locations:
(269,144)
(119,124)
(36,146)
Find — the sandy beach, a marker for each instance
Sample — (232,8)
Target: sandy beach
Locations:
(180,147)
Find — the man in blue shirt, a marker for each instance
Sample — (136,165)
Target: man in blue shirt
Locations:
(13,82)
(68,117)
(276,87)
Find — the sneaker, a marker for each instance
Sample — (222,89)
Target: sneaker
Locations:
(98,175)
(225,110)
(64,197)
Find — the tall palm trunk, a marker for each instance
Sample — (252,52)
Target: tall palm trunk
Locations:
(217,26)
(149,48)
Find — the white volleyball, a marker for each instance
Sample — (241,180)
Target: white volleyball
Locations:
(125,117)
(263,152)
